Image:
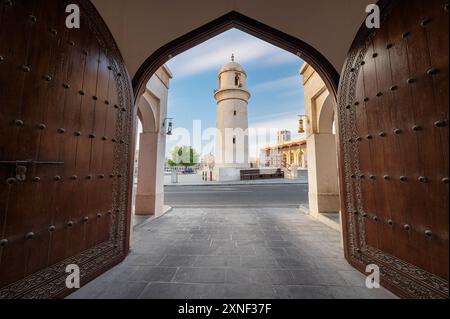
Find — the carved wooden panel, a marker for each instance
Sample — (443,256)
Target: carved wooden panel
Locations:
(393,120)
(65,112)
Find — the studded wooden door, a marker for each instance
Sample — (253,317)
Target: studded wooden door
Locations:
(393,119)
(65,110)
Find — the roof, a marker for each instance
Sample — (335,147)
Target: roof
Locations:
(286,144)
(232,66)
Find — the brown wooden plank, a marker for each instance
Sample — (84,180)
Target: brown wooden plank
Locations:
(404,119)
(434,20)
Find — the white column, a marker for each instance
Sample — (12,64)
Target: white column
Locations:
(322,173)
(150,188)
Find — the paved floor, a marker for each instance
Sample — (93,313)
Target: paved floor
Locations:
(274,195)
(233,253)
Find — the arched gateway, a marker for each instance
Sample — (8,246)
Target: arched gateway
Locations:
(66,144)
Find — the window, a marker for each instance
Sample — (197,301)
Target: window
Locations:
(234,140)
(237,80)
(234,112)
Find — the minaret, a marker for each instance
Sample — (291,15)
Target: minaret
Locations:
(232,122)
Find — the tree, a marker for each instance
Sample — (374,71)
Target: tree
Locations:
(183,155)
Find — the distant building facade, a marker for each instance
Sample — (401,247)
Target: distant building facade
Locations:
(283,136)
(285,153)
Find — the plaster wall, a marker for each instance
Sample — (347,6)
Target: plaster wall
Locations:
(152,144)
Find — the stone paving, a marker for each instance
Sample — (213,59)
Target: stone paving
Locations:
(222,253)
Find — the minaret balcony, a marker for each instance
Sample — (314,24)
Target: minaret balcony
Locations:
(232,93)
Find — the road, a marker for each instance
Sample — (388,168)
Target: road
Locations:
(290,195)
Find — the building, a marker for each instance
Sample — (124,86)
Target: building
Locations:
(283,136)
(231,153)
(70,96)
(290,155)
(285,153)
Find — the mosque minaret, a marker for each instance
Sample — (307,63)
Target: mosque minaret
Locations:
(232,96)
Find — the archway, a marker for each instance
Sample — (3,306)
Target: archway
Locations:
(151,112)
(326,116)
(146,202)
(353,209)
(321,144)
(255,28)
(245,24)
(407,235)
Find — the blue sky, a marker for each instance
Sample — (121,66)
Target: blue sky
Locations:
(273,81)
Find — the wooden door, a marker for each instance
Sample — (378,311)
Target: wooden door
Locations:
(393,121)
(65,116)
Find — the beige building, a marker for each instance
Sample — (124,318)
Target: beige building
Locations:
(285,153)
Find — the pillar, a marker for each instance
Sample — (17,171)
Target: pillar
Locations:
(150,188)
(321,152)
(322,173)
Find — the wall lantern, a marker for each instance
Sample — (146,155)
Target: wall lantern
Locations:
(167,124)
(301,123)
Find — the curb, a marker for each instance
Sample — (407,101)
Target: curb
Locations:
(320,218)
(152,218)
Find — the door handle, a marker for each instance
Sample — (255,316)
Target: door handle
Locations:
(21,166)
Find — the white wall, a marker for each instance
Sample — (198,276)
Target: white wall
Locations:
(140,27)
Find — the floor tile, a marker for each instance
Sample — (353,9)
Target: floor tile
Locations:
(233,253)
(200,275)
(147,274)
(177,261)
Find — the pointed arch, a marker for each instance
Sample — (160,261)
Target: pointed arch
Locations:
(147,113)
(326,116)
(241,22)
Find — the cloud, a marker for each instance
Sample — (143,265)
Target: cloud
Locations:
(292,93)
(211,55)
(262,118)
(287,122)
(286,83)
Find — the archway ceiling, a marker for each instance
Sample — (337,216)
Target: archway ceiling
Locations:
(140,27)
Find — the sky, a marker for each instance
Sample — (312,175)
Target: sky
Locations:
(273,81)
